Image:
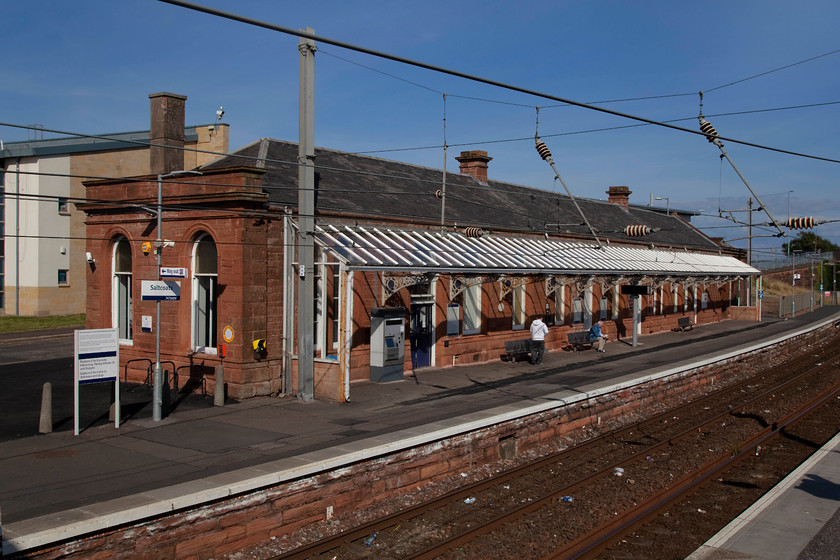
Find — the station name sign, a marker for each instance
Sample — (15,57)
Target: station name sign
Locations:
(160,290)
(630,290)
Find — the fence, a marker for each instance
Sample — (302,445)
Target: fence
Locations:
(783,262)
(781,306)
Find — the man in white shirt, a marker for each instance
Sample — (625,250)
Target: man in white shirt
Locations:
(538,332)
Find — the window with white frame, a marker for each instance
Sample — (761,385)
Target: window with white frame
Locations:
(204,282)
(325,312)
(121,297)
(318,307)
(472,310)
(336,300)
(518,307)
(560,305)
(577,310)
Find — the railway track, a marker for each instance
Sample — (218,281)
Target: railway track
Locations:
(583,502)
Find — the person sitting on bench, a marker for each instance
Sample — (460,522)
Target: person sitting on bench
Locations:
(595,334)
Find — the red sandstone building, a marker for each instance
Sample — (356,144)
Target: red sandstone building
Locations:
(461,278)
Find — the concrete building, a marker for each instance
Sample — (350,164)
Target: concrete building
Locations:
(42,250)
(453,284)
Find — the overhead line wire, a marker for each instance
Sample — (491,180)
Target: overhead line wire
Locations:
(772,71)
(459,74)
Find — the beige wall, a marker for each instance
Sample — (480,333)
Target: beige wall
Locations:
(40,253)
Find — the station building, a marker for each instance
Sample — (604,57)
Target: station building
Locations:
(455,264)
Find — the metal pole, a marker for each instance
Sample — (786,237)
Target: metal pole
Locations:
(812,277)
(636,304)
(793,285)
(157,374)
(749,248)
(306,218)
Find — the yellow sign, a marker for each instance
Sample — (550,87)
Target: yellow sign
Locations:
(228,334)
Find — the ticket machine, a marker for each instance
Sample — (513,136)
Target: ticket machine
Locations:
(387,344)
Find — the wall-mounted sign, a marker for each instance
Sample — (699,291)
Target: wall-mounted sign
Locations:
(146,322)
(172,272)
(227,333)
(160,290)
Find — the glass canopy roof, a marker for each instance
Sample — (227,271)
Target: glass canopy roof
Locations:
(385,249)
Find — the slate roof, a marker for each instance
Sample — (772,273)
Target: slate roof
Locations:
(358,186)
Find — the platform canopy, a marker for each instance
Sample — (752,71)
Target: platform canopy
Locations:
(385,249)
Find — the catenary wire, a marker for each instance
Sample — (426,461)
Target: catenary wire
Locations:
(463,75)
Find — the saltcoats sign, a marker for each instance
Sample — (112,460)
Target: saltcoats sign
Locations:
(160,290)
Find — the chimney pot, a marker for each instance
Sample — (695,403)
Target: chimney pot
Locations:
(474,163)
(620,196)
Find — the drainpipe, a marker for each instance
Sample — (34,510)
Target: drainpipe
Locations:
(288,297)
(17,237)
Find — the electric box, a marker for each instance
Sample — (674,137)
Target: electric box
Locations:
(387,344)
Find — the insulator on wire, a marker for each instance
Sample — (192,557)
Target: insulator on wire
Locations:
(800,223)
(543,150)
(473,232)
(637,231)
(707,129)
(438,193)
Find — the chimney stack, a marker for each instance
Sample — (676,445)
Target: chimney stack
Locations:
(474,163)
(167,130)
(620,196)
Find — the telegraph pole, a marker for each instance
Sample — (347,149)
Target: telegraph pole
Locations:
(306,218)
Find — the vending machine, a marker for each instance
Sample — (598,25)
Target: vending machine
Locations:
(387,344)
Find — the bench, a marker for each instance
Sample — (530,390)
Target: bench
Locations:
(684,324)
(578,340)
(517,349)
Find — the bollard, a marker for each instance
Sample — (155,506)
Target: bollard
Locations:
(219,392)
(46,424)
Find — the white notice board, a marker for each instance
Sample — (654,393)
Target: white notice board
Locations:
(96,360)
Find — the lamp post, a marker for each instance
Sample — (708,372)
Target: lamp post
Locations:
(157,375)
(667,204)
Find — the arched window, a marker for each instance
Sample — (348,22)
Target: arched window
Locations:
(121,299)
(205,275)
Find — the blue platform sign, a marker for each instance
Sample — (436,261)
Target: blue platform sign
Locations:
(160,290)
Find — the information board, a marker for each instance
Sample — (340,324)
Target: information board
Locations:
(96,360)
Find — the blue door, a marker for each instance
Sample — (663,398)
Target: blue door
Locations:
(422,335)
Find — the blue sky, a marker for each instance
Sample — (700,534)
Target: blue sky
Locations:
(88,66)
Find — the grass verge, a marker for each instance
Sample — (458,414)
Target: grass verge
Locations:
(17,324)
